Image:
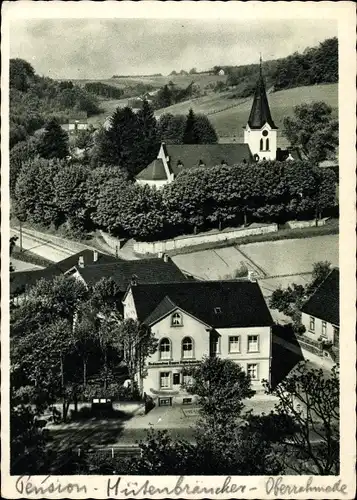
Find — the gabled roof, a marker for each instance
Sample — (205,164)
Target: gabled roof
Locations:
(88,259)
(260,112)
(241,302)
(191,155)
(146,271)
(22,279)
(155,171)
(325,302)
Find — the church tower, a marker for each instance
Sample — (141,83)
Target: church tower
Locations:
(261,132)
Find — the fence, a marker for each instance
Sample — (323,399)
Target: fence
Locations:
(144,247)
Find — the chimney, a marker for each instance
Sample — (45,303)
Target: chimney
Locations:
(95,256)
(81,261)
(252,276)
(166,257)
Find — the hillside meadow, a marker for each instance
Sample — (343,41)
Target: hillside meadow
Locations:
(159,81)
(229,116)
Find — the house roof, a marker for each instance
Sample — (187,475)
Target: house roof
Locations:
(260,112)
(155,171)
(325,302)
(241,302)
(88,259)
(146,271)
(20,280)
(190,155)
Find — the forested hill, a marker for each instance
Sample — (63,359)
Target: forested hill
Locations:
(35,99)
(315,65)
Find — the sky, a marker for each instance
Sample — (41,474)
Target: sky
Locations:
(100,48)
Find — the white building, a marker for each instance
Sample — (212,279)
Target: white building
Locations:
(195,319)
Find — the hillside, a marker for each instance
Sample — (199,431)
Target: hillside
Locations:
(229,122)
(35,99)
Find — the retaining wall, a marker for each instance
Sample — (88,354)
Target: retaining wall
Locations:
(144,247)
(297,224)
(111,241)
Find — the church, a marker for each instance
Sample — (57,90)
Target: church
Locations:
(260,143)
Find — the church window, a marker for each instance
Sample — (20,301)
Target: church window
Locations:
(267,145)
(261,144)
(265,133)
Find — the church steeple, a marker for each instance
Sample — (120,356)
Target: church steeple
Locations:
(260,112)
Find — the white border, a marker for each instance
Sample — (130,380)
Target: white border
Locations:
(255,487)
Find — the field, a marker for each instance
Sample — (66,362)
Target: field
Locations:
(283,262)
(231,121)
(228,116)
(158,81)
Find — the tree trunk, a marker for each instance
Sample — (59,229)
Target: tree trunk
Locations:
(62,373)
(105,370)
(245,218)
(75,400)
(65,407)
(84,373)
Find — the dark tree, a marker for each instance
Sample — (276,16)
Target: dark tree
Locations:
(54,141)
(313,129)
(148,144)
(164,97)
(190,135)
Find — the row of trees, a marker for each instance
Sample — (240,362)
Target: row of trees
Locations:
(171,94)
(316,65)
(54,192)
(103,90)
(34,99)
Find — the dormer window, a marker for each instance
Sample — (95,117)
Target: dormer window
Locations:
(217,310)
(176,319)
(179,163)
(201,163)
(223,163)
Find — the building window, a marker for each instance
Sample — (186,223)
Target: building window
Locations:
(252,371)
(187,348)
(165,349)
(186,379)
(187,401)
(312,324)
(164,380)
(176,379)
(323,329)
(234,344)
(176,319)
(261,144)
(165,401)
(267,145)
(253,343)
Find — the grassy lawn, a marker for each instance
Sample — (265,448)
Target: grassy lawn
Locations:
(231,121)
(332,227)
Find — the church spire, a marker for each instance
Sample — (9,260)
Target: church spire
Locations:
(260,112)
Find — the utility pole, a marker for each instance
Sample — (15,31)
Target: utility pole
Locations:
(20,235)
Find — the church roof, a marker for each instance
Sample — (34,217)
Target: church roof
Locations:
(155,171)
(260,112)
(184,156)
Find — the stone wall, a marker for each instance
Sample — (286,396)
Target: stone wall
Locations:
(111,241)
(144,247)
(297,224)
